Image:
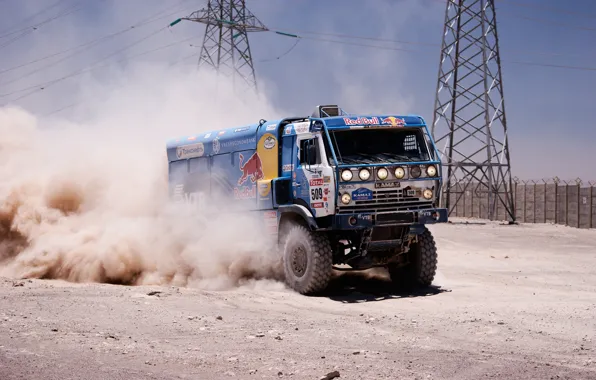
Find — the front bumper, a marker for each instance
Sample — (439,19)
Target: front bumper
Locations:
(401,218)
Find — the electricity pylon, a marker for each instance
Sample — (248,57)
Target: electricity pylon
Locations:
(469,123)
(225,44)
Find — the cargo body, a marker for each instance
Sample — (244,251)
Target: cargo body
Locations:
(332,189)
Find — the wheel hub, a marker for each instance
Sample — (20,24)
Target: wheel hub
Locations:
(298,260)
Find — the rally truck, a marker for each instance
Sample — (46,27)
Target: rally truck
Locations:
(338,191)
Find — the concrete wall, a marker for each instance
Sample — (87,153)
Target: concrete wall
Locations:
(569,204)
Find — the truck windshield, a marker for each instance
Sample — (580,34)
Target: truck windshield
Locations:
(370,146)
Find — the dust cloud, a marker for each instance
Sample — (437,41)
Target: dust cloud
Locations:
(87,201)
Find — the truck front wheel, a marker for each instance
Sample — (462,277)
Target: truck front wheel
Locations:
(422,266)
(307,258)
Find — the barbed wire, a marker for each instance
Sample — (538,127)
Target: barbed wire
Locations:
(554,180)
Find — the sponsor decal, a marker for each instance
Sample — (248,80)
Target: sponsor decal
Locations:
(302,127)
(245,192)
(270,214)
(216,146)
(317,205)
(190,151)
(251,168)
(388,184)
(316,182)
(238,142)
(361,120)
(347,187)
(287,168)
(288,130)
(271,127)
(394,121)
(326,191)
(177,193)
(269,142)
(362,194)
(327,179)
(240,129)
(264,190)
(316,193)
(207,135)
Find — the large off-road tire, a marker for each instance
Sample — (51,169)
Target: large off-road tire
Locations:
(422,267)
(307,260)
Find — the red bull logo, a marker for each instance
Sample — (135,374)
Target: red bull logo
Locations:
(394,121)
(252,169)
(361,121)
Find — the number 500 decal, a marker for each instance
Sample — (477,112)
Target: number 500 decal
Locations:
(316,193)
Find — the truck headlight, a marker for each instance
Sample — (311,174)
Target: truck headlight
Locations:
(415,171)
(382,173)
(431,170)
(346,175)
(364,174)
(427,193)
(399,172)
(346,198)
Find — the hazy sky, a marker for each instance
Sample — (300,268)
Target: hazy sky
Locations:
(551,111)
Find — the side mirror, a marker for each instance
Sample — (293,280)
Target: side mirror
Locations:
(311,154)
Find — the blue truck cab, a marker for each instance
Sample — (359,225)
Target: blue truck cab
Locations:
(336,190)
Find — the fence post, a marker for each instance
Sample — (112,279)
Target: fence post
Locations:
(579,188)
(516,180)
(566,203)
(534,200)
(525,199)
(544,203)
(556,181)
(591,204)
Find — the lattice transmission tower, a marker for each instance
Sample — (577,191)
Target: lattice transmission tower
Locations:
(225,44)
(469,123)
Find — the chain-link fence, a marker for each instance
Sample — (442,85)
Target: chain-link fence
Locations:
(571,203)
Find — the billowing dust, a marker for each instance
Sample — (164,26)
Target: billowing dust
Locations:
(88,202)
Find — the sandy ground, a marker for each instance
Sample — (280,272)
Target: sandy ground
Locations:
(510,302)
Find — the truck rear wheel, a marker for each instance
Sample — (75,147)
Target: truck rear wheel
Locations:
(422,266)
(307,258)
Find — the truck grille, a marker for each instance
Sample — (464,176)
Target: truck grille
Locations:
(387,200)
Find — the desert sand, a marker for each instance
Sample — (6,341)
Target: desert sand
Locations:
(509,302)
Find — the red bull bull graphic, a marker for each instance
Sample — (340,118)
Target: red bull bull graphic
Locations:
(394,121)
(252,168)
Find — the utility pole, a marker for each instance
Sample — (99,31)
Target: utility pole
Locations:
(225,44)
(469,123)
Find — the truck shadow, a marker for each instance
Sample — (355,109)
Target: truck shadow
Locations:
(355,287)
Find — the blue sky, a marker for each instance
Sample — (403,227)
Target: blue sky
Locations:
(550,111)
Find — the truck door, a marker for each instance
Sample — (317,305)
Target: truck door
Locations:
(313,183)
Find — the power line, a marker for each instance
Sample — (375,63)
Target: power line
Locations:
(89,44)
(429,52)
(547,8)
(96,41)
(32,28)
(43,86)
(554,23)
(422,43)
(128,58)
